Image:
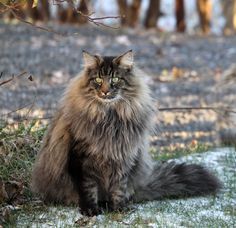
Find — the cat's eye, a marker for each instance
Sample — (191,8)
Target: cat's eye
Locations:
(98,80)
(115,80)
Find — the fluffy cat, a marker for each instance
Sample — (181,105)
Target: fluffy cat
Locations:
(95,152)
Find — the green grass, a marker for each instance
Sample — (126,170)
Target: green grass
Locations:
(167,154)
(19,145)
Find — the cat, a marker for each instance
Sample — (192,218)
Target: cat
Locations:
(95,152)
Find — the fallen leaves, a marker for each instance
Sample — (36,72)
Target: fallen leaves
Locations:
(177,73)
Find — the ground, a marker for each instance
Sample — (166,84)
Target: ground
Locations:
(212,211)
(182,71)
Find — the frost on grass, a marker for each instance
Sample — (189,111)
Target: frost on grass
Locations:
(212,211)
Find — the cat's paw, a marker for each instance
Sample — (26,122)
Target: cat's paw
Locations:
(91,211)
(104,205)
(117,206)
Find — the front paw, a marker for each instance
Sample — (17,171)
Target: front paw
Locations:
(90,211)
(117,205)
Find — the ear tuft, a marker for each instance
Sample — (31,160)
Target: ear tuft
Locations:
(90,60)
(125,60)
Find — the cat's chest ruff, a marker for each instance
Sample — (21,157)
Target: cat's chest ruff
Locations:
(106,169)
(112,125)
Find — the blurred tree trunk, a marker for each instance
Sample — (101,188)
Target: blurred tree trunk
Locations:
(229,12)
(134,10)
(129,13)
(180,15)
(69,15)
(61,14)
(32,13)
(204,8)
(123,11)
(84,8)
(152,14)
(45,10)
(234,15)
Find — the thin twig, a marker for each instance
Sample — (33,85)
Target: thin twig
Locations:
(12,78)
(8,80)
(94,20)
(21,119)
(13,111)
(160,109)
(227,109)
(14,7)
(104,18)
(36,26)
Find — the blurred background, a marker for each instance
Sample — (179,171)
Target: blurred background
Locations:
(186,48)
(215,16)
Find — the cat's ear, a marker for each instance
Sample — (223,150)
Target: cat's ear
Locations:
(125,60)
(91,60)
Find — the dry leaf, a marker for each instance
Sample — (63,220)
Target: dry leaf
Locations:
(177,73)
(31,78)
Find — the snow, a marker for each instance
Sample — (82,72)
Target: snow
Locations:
(166,213)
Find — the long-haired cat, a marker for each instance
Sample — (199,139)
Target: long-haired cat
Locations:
(95,151)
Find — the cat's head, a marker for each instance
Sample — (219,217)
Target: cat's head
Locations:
(109,78)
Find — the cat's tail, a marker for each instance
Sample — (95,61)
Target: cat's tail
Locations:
(177,180)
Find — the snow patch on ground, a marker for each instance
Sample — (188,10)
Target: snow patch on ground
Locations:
(212,211)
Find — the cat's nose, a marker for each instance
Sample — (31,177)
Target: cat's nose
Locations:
(105,93)
(105,89)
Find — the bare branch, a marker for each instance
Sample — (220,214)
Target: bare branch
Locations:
(216,109)
(94,20)
(16,110)
(88,16)
(106,17)
(36,26)
(12,78)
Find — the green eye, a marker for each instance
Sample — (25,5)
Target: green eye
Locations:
(98,80)
(115,80)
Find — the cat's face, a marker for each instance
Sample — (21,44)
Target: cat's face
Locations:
(109,78)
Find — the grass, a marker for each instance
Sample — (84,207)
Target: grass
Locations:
(20,143)
(167,154)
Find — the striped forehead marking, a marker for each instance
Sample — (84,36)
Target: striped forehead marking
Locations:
(107,66)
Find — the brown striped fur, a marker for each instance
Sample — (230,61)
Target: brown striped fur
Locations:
(95,150)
